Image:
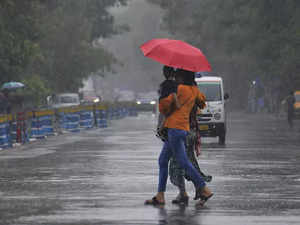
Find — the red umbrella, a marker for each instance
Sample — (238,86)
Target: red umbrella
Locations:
(176,53)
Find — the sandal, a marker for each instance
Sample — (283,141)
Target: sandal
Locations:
(181,200)
(199,195)
(153,201)
(204,199)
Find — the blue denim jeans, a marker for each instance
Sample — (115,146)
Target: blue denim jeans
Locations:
(175,146)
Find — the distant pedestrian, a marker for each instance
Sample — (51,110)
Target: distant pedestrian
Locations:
(259,96)
(251,99)
(4,102)
(290,101)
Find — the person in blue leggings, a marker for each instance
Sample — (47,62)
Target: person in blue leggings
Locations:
(178,126)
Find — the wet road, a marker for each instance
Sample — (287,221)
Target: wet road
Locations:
(103,176)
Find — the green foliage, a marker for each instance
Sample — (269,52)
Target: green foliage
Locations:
(54,42)
(242,39)
(35,91)
(18,34)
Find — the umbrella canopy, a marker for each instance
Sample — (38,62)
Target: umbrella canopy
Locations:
(176,53)
(12,85)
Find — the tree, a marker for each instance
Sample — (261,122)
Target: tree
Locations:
(242,39)
(70,47)
(18,35)
(55,41)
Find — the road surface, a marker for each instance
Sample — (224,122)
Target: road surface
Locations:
(103,176)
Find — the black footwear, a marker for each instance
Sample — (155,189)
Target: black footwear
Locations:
(199,195)
(153,201)
(181,200)
(204,199)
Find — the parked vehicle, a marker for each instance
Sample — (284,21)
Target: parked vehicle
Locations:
(90,99)
(63,100)
(212,119)
(147,101)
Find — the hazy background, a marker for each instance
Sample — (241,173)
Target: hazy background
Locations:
(52,46)
(136,73)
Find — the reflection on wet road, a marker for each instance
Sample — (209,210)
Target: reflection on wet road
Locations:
(103,176)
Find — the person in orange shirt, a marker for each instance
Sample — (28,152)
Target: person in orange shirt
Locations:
(178,126)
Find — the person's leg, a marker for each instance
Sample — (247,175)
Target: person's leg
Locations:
(181,186)
(290,120)
(163,161)
(191,156)
(177,142)
(176,174)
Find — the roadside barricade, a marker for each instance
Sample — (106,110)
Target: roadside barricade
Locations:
(23,127)
(101,116)
(5,141)
(37,128)
(17,127)
(87,119)
(116,114)
(110,113)
(42,124)
(124,113)
(13,129)
(22,136)
(132,111)
(69,119)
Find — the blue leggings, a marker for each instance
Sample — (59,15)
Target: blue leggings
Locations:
(176,146)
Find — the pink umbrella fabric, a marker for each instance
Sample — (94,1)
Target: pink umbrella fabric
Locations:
(176,53)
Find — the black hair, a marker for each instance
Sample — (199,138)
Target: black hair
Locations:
(168,71)
(187,76)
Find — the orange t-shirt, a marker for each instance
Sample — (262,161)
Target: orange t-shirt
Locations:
(166,105)
(187,96)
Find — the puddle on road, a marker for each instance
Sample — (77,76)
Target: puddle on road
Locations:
(157,216)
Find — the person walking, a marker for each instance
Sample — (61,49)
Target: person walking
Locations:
(178,126)
(166,88)
(178,175)
(4,102)
(290,101)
